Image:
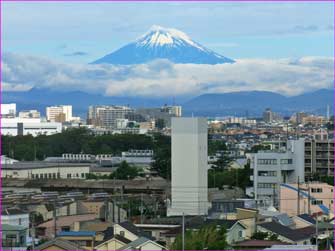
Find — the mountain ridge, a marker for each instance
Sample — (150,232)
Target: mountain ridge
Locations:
(163,43)
(218,104)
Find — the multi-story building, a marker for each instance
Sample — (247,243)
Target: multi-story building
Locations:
(189,159)
(268,115)
(61,113)
(314,197)
(26,126)
(29,114)
(272,168)
(319,157)
(45,170)
(8,110)
(173,110)
(314,120)
(107,116)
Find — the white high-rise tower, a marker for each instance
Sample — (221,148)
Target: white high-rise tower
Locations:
(189,189)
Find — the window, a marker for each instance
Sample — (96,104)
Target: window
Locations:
(267,173)
(240,234)
(286,161)
(122,233)
(32,176)
(317,202)
(20,221)
(66,229)
(68,175)
(267,161)
(316,190)
(45,176)
(267,185)
(83,175)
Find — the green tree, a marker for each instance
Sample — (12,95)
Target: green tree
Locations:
(235,177)
(216,145)
(162,155)
(125,171)
(260,147)
(209,237)
(259,236)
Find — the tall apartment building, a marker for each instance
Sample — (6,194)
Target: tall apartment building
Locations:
(61,113)
(268,115)
(319,157)
(271,168)
(107,116)
(173,110)
(189,189)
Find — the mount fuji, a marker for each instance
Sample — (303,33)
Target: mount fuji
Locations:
(163,43)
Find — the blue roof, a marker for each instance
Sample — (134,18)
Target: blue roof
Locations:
(76,233)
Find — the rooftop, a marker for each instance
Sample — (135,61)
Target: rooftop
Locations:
(294,235)
(40,164)
(77,233)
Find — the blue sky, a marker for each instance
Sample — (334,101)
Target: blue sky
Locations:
(82,32)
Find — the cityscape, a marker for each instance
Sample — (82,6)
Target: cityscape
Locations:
(167,143)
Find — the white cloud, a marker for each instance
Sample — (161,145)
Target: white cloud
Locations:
(163,78)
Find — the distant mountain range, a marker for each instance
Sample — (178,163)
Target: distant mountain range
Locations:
(234,103)
(254,102)
(163,43)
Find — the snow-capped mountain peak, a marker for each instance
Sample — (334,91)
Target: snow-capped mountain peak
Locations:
(158,36)
(164,43)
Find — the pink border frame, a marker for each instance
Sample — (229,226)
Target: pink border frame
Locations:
(157,1)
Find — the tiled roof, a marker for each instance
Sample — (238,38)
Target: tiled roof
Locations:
(63,244)
(294,235)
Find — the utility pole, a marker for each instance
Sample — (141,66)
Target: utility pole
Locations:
(183,232)
(309,199)
(298,201)
(33,231)
(317,233)
(141,208)
(55,219)
(274,195)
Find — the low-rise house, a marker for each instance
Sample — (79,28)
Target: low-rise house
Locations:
(58,244)
(293,236)
(130,231)
(111,241)
(16,217)
(292,247)
(142,243)
(106,210)
(14,237)
(63,223)
(84,239)
(256,244)
(236,231)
